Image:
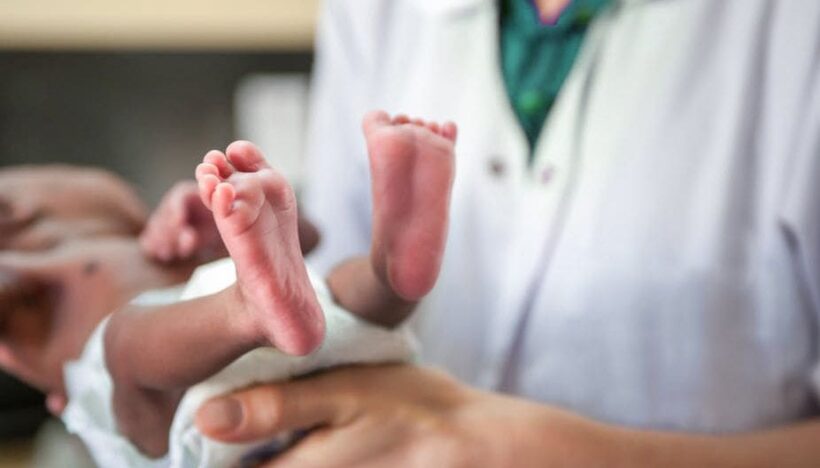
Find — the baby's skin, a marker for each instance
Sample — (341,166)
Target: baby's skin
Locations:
(51,300)
(182,229)
(155,354)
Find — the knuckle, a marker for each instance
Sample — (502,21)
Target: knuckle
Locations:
(266,407)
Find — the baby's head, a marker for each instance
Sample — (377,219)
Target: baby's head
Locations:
(41,206)
(51,300)
(25,312)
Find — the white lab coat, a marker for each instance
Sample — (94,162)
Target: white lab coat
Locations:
(658,265)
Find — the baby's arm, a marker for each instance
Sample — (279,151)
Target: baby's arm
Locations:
(411,165)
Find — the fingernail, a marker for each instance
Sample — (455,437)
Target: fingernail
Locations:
(221,415)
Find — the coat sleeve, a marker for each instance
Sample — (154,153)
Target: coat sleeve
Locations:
(801,209)
(337,187)
(800,215)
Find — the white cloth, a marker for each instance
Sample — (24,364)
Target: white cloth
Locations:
(89,413)
(658,263)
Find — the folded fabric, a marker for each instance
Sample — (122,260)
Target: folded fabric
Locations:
(89,414)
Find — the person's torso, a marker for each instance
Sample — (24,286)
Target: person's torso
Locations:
(640,269)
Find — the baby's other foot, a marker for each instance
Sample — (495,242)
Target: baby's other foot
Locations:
(255,212)
(412,165)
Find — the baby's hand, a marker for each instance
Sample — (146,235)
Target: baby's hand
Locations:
(181,228)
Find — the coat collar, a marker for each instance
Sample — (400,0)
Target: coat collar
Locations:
(459,6)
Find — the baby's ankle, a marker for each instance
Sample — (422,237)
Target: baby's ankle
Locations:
(244,326)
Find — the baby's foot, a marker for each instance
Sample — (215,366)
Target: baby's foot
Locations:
(255,212)
(412,165)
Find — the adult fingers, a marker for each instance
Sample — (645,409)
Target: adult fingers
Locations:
(187,243)
(180,202)
(154,235)
(327,448)
(268,410)
(364,443)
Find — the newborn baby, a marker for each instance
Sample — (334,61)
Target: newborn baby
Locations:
(154,354)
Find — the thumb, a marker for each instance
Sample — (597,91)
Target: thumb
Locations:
(56,403)
(268,410)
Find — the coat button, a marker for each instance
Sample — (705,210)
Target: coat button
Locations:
(547,174)
(496,167)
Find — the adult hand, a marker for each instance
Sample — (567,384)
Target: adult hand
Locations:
(401,416)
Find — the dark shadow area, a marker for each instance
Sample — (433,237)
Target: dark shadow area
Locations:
(147,116)
(21,409)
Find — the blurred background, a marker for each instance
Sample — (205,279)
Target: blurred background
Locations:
(143,89)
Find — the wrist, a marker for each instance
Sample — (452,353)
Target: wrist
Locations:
(542,436)
(577,441)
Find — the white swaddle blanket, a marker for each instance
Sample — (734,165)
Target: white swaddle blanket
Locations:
(89,414)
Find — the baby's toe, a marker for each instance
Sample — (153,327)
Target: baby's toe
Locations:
(207,186)
(220,161)
(374,120)
(245,156)
(449,131)
(222,200)
(204,169)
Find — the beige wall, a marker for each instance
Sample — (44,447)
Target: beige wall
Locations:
(251,25)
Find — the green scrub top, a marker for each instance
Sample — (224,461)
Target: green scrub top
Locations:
(537,56)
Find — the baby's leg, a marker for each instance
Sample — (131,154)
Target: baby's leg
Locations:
(412,166)
(272,301)
(255,212)
(154,354)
